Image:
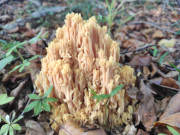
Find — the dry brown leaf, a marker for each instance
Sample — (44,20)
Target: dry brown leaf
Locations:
(173,106)
(158,34)
(34,128)
(154,84)
(138,60)
(36,67)
(95,132)
(30,33)
(172,120)
(146,109)
(72,128)
(132,44)
(169,82)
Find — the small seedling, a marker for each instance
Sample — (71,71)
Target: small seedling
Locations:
(10,125)
(4,99)
(40,104)
(13,47)
(106,96)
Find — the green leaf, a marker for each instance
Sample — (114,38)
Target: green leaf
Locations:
(21,68)
(172,130)
(173,66)
(4,128)
(50,99)
(33,96)
(37,108)
(35,39)
(16,126)
(31,106)
(162,134)
(9,51)
(7,118)
(162,57)
(15,68)
(101,96)
(46,106)
(26,63)
(92,91)
(4,120)
(34,57)
(116,90)
(155,51)
(13,116)
(48,91)
(20,117)
(11,131)
(4,99)
(6,61)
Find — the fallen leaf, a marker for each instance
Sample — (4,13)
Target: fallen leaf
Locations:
(167,43)
(172,120)
(95,132)
(173,106)
(30,33)
(169,82)
(146,109)
(132,44)
(72,128)
(158,34)
(34,128)
(139,60)
(163,91)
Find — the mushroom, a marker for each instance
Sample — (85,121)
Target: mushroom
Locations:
(84,56)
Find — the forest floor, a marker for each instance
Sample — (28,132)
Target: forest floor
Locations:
(149,37)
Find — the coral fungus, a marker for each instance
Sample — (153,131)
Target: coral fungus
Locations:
(84,56)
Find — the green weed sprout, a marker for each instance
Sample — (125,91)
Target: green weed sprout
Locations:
(4,99)
(40,104)
(10,125)
(172,130)
(13,47)
(106,96)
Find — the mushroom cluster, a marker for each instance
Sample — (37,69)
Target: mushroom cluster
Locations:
(84,56)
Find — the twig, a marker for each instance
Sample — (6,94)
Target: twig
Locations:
(4,1)
(178,1)
(61,126)
(37,14)
(154,25)
(27,102)
(139,49)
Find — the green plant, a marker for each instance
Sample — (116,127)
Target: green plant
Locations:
(4,99)
(106,96)
(113,11)
(11,48)
(177,25)
(175,68)
(10,125)
(172,130)
(162,58)
(40,104)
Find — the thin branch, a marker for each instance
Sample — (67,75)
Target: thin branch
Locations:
(61,126)
(139,49)
(28,102)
